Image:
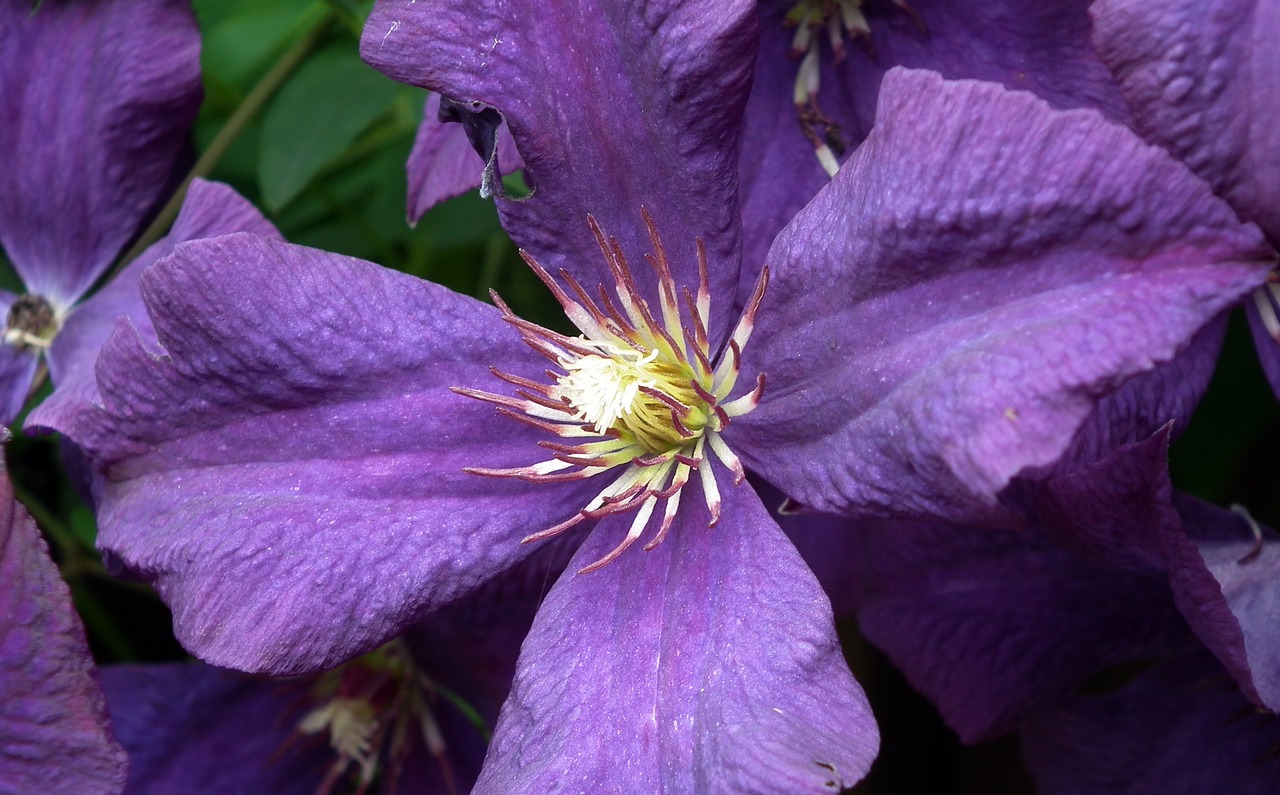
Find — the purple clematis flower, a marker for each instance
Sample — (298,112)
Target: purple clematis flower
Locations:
(53,724)
(97,98)
(1202,79)
(292,469)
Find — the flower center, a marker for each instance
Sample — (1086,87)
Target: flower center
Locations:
(375,710)
(639,386)
(31,323)
(838,19)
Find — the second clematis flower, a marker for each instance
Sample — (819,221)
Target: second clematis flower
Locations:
(312,462)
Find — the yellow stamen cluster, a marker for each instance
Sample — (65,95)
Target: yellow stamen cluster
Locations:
(641,384)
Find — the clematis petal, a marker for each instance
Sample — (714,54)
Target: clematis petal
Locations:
(1243,598)
(192,726)
(709,664)
(17,369)
(97,98)
(1202,79)
(947,312)
(53,723)
(210,209)
(289,474)
(1042,46)
(443,163)
(1179,727)
(991,625)
(613,106)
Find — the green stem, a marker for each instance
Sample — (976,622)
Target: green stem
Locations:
(253,102)
(68,548)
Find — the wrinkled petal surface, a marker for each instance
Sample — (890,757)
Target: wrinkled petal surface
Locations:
(948,310)
(443,164)
(1180,727)
(210,209)
(53,723)
(614,107)
(1042,46)
(1202,79)
(707,665)
(97,98)
(289,474)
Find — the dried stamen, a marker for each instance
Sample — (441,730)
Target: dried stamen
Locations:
(641,385)
(31,323)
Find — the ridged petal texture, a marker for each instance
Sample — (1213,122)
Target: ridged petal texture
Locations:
(289,471)
(707,665)
(947,311)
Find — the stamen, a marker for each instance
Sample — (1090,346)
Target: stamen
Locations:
(645,387)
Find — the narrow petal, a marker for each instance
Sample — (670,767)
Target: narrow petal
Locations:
(709,664)
(949,309)
(1202,79)
(443,163)
(210,209)
(53,723)
(613,106)
(97,98)
(289,474)
(1179,727)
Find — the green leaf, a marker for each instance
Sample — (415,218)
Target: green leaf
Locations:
(315,117)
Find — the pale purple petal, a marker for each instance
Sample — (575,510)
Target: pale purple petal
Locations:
(613,106)
(210,209)
(1042,46)
(53,724)
(950,308)
(709,664)
(96,98)
(1122,513)
(1246,573)
(1202,80)
(1180,727)
(290,473)
(443,164)
(991,625)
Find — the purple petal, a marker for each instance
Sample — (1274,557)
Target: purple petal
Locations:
(195,728)
(210,209)
(443,163)
(709,664)
(1246,582)
(991,625)
(17,369)
(1180,727)
(1042,46)
(290,473)
(1265,302)
(53,723)
(97,99)
(1202,80)
(948,311)
(613,107)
